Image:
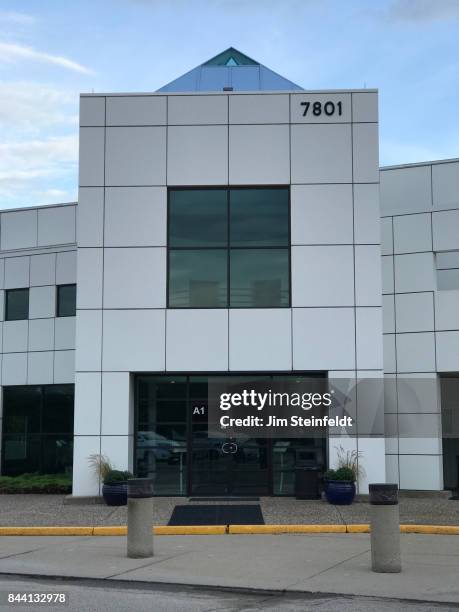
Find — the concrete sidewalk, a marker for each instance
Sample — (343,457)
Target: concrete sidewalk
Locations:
(332,563)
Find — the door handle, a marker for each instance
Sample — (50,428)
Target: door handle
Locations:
(229,448)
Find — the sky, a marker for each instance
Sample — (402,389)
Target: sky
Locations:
(51,50)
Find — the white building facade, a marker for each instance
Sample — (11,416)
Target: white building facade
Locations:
(420,263)
(229,224)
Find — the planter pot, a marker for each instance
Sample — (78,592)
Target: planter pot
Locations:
(339,492)
(115,494)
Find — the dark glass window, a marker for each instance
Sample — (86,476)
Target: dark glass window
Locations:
(198,218)
(22,410)
(161,443)
(66,301)
(197,279)
(57,409)
(16,304)
(37,429)
(259,217)
(229,248)
(259,278)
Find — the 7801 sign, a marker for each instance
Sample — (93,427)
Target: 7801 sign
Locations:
(317,108)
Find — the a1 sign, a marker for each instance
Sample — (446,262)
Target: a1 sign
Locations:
(199,412)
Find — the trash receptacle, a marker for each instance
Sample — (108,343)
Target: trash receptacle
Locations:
(307,482)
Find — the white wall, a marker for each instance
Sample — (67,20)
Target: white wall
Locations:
(156,141)
(420,208)
(37,250)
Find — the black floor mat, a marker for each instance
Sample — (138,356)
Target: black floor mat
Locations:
(217,515)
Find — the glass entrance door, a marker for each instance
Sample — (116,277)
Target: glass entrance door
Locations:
(173,447)
(229,466)
(224,466)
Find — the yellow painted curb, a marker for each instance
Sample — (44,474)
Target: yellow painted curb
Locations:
(191,530)
(165,530)
(364,528)
(273,529)
(110,531)
(431,529)
(46,531)
(120,530)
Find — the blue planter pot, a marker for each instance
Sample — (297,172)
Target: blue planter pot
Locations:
(115,494)
(339,492)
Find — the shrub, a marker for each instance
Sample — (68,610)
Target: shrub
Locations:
(116,476)
(100,465)
(350,461)
(36,483)
(344,473)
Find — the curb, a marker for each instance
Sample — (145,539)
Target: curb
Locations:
(222,530)
(275,529)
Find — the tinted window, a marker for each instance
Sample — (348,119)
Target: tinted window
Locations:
(259,278)
(22,410)
(259,217)
(38,429)
(57,409)
(252,271)
(16,304)
(198,218)
(198,279)
(66,301)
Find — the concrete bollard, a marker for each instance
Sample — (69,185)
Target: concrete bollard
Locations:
(385,528)
(140,518)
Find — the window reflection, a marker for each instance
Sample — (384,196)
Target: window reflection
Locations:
(259,217)
(37,429)
(198,217)
(259,278)
(197,279)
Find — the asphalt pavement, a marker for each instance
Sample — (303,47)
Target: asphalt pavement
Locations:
(97,596)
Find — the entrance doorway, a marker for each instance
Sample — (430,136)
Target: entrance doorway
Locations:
(172,444)
(232,466)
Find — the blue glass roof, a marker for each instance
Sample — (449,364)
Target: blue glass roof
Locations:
(230,69)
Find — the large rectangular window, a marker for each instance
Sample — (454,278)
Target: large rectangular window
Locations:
(229,248)
(37,431)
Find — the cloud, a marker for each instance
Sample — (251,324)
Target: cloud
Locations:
(10,52)
(31,106)
(38,143)
(34,168)
(55,193)
(418,11)
(22,19)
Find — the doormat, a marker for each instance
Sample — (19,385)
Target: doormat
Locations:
(217,515)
